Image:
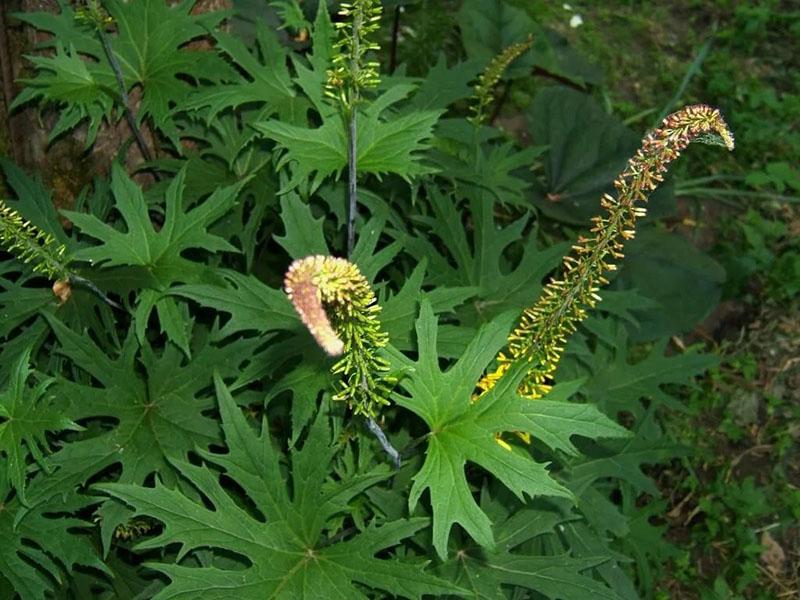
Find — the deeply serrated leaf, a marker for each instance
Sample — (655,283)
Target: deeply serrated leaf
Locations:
(384,145)
(462,430)
(289,555)
(478,259)
(264,80)
(38,549)
(303,234)
(158,252)
(156,402)
(149,45)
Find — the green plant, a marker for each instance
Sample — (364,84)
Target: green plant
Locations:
(761,255)
(193,441)
(736,493)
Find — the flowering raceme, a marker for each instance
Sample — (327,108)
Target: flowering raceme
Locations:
(542,332)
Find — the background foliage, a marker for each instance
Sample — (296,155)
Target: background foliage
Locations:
(188,441)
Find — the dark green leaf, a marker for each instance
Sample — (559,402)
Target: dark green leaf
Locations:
(684,282)
(587,149)
(27,414)
(285,542)
(462,430)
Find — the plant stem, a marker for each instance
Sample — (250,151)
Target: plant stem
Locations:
(376,430)
(352,183)
(395,35)
(352,196)
(83,282)
(130,116)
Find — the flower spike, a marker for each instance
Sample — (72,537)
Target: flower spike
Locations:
(352,329)
(542,332)
(351,72)
(484,89)
(32,245)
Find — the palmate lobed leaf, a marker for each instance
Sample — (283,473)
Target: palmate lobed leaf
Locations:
(141,245)
(617,385)
(624,459)
(266,82)
(528,554)
(289,554)
(157,252)
(384,144)
(149,45)
(156,402)
(66,80)
(479,259)
(464,431)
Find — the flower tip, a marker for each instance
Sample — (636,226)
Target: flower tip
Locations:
(332,345)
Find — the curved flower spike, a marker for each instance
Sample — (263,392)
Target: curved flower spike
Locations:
(542,332)
(350,328)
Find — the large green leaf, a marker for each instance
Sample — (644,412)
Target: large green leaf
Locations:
(444,84)
(145,407)
(39,549)
(283,540)
(401,309)
(157,254)
(488,574)
(684,282)
(142,245)
(587,149)
(479,260)
(303,233)
(462,430)
(618,385)
(482,163)
(82,90)
(385,143)
(252,304)
(623,459)
(264,79)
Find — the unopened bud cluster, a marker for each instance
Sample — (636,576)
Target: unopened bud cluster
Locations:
(31,245)
(351,72)
(484,89)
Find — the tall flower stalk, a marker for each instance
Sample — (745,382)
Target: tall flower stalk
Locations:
(351,73)
(43,253)
(542,332)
